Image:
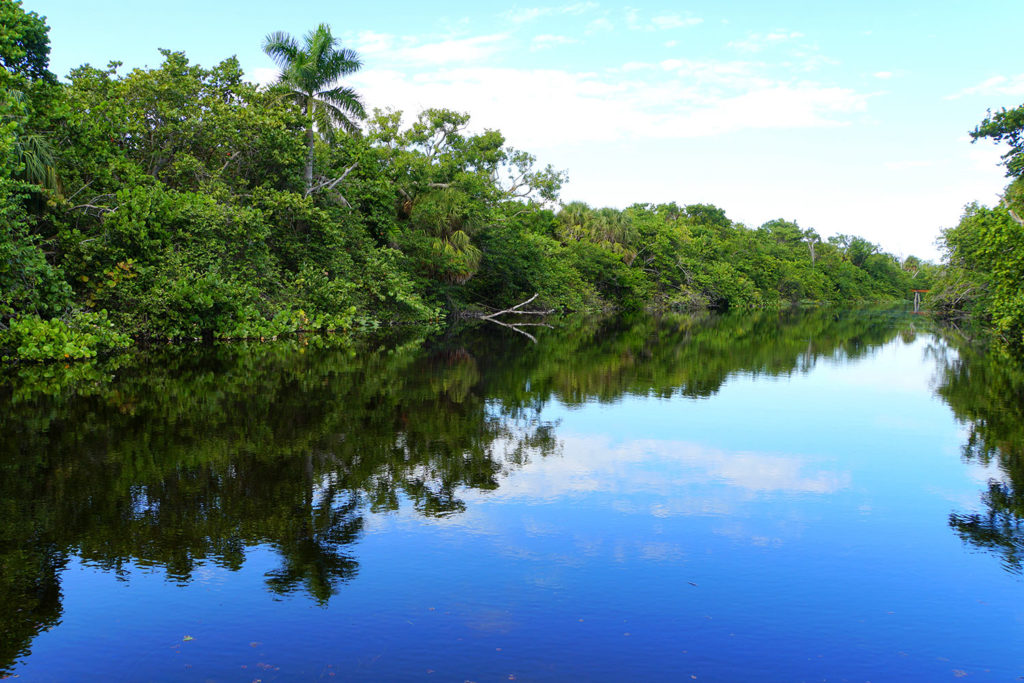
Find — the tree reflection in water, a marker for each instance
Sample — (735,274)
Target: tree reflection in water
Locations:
(985,389)
(176,458)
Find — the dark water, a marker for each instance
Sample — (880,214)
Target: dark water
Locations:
(799,496)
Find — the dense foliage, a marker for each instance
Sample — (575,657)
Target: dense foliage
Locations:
(185,202)
(984,274)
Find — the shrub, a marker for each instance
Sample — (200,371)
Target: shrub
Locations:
(83,335)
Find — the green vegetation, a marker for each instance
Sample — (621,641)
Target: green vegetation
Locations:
(984,274)
(188,203)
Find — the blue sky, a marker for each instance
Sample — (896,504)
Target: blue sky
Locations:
(846,117)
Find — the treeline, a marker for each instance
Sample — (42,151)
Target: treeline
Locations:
(984,271)
(185,202)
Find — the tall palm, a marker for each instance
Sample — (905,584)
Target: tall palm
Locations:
(309,78)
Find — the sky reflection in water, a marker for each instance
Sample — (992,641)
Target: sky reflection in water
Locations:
(759,497)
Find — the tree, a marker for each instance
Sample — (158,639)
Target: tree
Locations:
(1006,125)
(24,83)
(309,79)
(24,43)
(812,238)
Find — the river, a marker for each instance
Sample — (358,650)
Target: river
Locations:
(805,495)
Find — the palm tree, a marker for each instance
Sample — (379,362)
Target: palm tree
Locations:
(36,154)
(309,78)
(32,150)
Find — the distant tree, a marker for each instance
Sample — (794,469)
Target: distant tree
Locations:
(309,78)
(856,250)
(706,214)
(812,238)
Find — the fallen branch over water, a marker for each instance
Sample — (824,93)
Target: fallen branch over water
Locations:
(517,310)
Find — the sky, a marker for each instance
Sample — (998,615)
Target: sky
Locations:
(847,117)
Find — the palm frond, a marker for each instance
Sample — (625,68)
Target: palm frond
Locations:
(324,121)
(339,118)
(341,63)
(36,154)
(281,47)
(345,99)
(320,43)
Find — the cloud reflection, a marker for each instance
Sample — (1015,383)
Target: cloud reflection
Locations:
(665,468)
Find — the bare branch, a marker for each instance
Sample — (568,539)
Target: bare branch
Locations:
(1014,216)
(331,183)
(513,327)
(79,190)
(95,207)
(516,310)
(231,157)
(511,310)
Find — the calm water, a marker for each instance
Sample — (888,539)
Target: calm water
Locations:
(805,496)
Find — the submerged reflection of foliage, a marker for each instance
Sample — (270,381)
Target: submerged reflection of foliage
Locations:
(985,389)
(177,460)
(180,460)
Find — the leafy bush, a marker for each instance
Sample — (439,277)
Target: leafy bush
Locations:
(83,335)
(28,283)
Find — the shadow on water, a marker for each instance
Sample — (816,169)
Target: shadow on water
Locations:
(175,459)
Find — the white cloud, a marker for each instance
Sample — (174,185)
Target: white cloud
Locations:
(264,75)
(634,66)
(373,42)
(661,22)
(673,100)
(547,40)
(984,158)
(755,42)
(599,25)
(390,49)
(632,15)
(519,16)
(718,76)
(883,74)
(579,8)
(775,37)
(669,21)
(904,165)
(1012,86)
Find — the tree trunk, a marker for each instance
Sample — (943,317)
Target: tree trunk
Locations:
(309,146)
(309,159)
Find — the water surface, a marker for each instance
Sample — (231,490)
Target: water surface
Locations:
(798,496)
